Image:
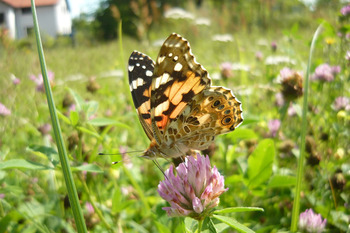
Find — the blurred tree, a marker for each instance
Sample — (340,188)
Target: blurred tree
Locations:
(137,16)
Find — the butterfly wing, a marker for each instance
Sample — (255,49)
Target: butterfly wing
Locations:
(177,79)
(141,69)
(216,111)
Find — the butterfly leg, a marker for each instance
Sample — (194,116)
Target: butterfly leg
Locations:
(159,167)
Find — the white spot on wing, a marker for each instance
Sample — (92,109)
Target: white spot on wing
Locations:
(143,67)
(165,78)
(137,64)
(161,59)
(134,84)
(158,79)
(149,73)
(178,67)
(175,58)
(140,82)
(131,68)
(170,54)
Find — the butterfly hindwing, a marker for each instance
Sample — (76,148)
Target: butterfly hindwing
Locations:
(141,69)
(216,111)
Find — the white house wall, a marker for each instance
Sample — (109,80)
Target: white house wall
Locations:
(46,18)
(64,22)
(9,19)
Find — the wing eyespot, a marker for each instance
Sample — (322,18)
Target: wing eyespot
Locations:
(221,107)
(216,103)
(226,120)
(187,129)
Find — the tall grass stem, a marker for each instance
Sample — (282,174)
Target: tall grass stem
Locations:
(296,205)
(67,173)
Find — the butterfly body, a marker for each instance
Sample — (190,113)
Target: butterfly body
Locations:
(177,106)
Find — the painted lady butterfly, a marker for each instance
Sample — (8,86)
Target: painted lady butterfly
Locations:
(177,107)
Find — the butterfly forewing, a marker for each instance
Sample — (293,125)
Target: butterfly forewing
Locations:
(141,69)
(177,79)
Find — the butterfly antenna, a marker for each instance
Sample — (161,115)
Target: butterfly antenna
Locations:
(121,153)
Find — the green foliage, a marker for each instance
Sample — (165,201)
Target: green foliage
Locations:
(260,163)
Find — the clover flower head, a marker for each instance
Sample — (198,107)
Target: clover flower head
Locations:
(311,222)
(325,72)
(259,56)
(341,103)
(45,129)
(195,191)
(4,111)
(38,80)
(292,84)
(279,99)
(15,80)
(286,73)
(274,126)
(273,46)
(226,70)
(345,10)
(90,209)
(291,110)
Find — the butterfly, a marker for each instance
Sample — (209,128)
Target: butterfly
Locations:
(178,108)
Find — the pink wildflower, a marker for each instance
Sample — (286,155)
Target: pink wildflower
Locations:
(38,80)
(4,111)
(274,126)
(311,222)
(195,191)
(325,72)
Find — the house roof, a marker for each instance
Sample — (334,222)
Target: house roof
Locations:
(27,3)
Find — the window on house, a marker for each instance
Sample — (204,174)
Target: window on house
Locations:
(26,10)
(29,30)
(2,18)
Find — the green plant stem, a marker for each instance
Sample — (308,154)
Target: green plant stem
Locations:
(67,173)
(200,224)
(284,110)
(296,205)
(2,212)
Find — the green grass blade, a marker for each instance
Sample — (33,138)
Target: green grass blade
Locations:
(238,209)
(233,223)
(72,192)
(296,206)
